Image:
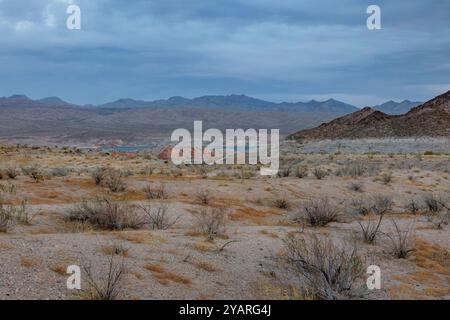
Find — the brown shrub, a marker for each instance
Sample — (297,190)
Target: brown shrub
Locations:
(157,192)
(211,221)
(317,212)
(106,284)
(326,271)
(203,197)
(106,214)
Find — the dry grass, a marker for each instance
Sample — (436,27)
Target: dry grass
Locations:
(269,233)
(5,246)
(141,237)
(203,246)
(432,257)
(60,269)
(204,265)
(115,249)
(258,217)
(29,262)
(165,277)
(429,282)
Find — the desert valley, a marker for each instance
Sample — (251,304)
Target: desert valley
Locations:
(365,189)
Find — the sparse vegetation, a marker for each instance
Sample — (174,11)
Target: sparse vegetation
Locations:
(317,213)
(157,217)
(301,172)
(282,203)
(106,214)
(381,204)
(203,197)
(12,172)
(356,186)
(434,203)
(211,221)
(6,217)
(402,241)
(37,175)
(320,173)
(326,271)
(105,284)
(386,178)
(113,180)
(413,206)
(156,192)
(98,175)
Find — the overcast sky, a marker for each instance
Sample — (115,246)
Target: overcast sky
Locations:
(279,50)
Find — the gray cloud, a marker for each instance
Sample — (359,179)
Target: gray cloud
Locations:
(282,50)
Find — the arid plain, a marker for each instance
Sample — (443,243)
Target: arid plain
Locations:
(141,228)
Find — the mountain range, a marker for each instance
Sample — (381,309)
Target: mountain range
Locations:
(54,119)
(231,102)
(429,119)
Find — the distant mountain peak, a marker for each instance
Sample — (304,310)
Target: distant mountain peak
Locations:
(429,119)
(397,108)
(53,101)
(19,96)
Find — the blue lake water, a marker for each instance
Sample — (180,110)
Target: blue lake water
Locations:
(125,148)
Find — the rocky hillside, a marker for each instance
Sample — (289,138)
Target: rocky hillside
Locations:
(429,119)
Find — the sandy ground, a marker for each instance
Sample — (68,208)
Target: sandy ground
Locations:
(180,263)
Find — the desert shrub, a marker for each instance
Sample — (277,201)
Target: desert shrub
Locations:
(402,241)
(301,172)
(22,213)
(243,172)
(27,170)
(37,175)
(360,207)
(203,197)
(157,218)
(156,192)
(59,172)
(203,171)
(326,271)
(113,180)
(353,169)
(381,204)
(116,249)
(106,214)
(284,172)
(6,217)
(440,219)
(211,221)
(413,206)
(148,170)
(126,173)
(281,203)
(371,228)
(106,284)
(12,172)
(320,173)
(317,212)
(386,178)
(176,173)
(98,175)
(356,186)
(434,203)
